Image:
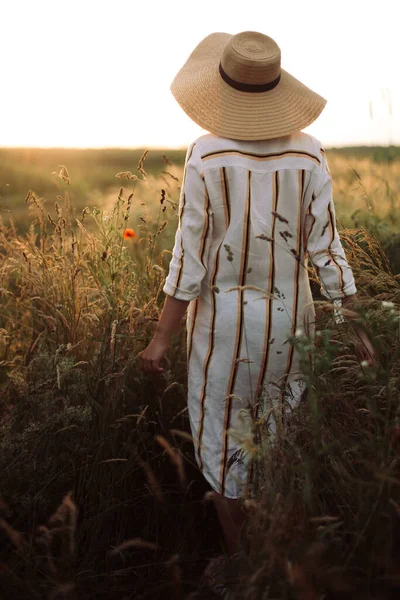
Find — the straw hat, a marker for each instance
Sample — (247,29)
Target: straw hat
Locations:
(234,87)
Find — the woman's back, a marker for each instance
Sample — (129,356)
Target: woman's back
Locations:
(247,206)
(260,191)
(249,214)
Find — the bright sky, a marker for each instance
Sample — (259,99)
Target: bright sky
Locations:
(96,73)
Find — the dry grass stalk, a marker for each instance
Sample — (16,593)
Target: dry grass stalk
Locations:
(175,574)
(141,162)
(63,174)
(134,543)
(127,175)
(64,590)
(175,458)
(182,434)
(152,480)
(15,537)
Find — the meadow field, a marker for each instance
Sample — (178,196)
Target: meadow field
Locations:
(100,496)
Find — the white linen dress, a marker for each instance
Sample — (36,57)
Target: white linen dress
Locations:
(250,215)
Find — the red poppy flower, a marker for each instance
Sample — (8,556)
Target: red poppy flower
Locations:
(129,233)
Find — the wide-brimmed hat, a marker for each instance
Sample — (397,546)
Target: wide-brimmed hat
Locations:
(234,87)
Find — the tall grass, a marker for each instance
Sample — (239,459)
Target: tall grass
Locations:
(326,518)
(101,497)
(78,416)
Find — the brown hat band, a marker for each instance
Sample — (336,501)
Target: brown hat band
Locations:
(248,87)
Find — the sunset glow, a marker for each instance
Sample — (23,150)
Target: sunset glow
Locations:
(97,74)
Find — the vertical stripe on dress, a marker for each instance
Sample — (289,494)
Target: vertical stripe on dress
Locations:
(181,213)
(309,212)
(239,334)
(191,331)
(225,196)
(205,228)
(332,230)
(309,233)
(271,285)
(207,360)
(180,267)
(296,288)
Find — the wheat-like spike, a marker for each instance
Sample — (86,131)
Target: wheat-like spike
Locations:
(140,165)
(176,458)
(152,480)
(182,434)
(127,175)
(133,543)
(15,537)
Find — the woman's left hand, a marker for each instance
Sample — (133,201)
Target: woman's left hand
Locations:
(150,358)
(168,325)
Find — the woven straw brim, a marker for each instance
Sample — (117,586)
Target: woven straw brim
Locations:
(220,109)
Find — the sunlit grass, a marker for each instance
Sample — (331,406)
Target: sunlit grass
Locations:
(80,297)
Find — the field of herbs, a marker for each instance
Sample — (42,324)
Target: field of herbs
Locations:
(100,495)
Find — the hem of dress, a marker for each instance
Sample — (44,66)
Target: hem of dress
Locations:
(216,487)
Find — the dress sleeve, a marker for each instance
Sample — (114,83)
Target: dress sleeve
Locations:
(193,237)
(323,242)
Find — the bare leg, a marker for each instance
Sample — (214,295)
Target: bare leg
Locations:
(232,518)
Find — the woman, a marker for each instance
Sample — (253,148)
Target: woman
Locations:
(256,201)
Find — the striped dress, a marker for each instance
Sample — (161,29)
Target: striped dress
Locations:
(251,215)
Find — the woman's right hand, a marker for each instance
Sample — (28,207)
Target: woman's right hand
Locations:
(364,348)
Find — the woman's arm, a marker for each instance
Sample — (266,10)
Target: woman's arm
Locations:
(323,242)
(169,323)
(189,259)
(327,254)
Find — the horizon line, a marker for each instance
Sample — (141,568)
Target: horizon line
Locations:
(179,148)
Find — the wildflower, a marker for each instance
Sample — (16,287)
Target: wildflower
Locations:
(364,363)
(129,233)
(385,304)
(299,332)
